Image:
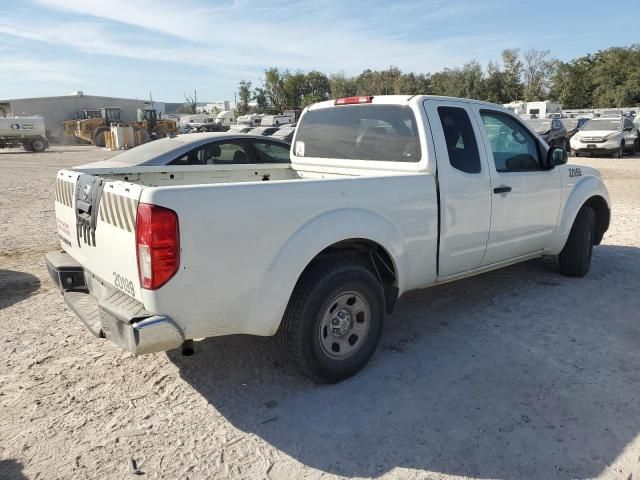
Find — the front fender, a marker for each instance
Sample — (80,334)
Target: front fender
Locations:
(308,241)
(585,188)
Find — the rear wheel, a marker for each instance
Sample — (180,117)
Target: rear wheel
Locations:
(27,146)
(38,145)
(334,319)
(575,258)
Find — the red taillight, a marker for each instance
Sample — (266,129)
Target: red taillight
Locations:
(353,100)
(157,245)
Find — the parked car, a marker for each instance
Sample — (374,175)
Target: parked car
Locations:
(552,130)
(226,148)
(573,125)
(383,195)
(262,130)
(240,129)
(606,136)
(285,133)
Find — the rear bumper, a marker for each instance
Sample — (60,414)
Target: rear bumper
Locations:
(110,313)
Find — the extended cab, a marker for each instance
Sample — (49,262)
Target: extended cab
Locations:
(383,195)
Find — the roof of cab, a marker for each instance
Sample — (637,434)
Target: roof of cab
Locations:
(405,99)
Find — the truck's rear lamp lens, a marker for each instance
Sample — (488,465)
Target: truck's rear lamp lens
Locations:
(158,245)
(353,100)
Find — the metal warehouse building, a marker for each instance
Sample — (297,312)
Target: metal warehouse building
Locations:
(55,110)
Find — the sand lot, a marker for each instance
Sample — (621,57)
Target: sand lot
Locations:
(520,373)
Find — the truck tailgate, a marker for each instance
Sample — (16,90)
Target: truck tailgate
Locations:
(96,221)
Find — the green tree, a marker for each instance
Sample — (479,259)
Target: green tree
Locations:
(495,84)
(340,86)
(274,89)
(572,85)
(512,67)
(260,97)
(244,92)
(616,77)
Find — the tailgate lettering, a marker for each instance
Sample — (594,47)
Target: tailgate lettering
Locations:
(123,284)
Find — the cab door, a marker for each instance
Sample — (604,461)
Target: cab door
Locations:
(525,196)
(464,186)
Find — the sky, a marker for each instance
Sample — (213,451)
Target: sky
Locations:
(168,48)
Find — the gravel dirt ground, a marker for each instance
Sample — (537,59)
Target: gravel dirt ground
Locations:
(520,373)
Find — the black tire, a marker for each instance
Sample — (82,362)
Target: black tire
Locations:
(143,135)
(575,258)
(99,139)
(27,146)
(38,145)
(620,151)
(634,148)
(302,334)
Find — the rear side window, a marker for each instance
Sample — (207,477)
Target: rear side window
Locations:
(460,138)
(387,133)
(268,152)
(215,154)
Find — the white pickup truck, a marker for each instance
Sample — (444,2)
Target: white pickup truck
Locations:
(383,195)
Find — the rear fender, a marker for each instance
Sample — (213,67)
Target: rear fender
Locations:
(312,238)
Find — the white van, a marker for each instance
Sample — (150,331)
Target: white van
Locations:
(276,120)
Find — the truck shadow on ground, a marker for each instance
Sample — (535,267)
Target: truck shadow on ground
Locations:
(11,470)
(16,286)
(517,373)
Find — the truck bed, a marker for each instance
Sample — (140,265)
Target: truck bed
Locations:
(216,174)
(236,224)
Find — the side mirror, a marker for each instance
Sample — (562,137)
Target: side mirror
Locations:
(556,156)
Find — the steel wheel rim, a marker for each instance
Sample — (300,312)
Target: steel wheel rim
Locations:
(37,145)
(345,325)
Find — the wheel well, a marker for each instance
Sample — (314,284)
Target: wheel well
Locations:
(603,216)
(373,256)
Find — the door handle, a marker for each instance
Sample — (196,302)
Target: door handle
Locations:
(502,189)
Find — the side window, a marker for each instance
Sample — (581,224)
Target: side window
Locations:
(214,154)
(514,148)
(460,138)
(268,152)
(228,153)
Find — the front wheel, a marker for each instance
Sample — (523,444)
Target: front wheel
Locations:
(575,258)
(620,151)
(334,319)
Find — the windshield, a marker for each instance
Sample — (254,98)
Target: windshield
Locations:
(540,125)
(359,132)
(602,124)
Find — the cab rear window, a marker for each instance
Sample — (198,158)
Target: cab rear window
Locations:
(387,133)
